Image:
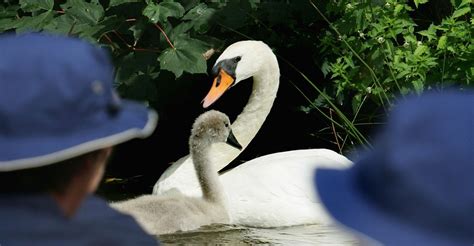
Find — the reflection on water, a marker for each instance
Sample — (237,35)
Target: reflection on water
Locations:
(237,235)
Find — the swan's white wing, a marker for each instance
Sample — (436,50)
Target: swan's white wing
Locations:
(181,176)
(278,189)
(177,177)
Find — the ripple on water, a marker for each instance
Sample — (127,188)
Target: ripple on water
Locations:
(239,235)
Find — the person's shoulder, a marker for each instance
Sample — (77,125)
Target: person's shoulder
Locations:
(36,220)
(97,217)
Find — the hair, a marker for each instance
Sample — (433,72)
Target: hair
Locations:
(50,178)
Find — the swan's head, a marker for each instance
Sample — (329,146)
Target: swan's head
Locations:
(212,127)
(238,62)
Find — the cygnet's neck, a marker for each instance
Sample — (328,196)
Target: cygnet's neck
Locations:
(206,171)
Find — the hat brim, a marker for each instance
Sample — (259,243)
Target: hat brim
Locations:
(133,120)
(339,193)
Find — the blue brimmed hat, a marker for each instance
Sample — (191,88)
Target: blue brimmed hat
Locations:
(57,101)
(416,187)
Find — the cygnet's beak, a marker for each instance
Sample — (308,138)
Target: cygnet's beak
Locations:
(232,141)
(222,82)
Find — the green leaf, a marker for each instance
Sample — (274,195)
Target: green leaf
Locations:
(461,12)
(420,50)
(325,68)
(430,33)
(34,5)
(418,85)
(442,42)
(141,89)
(160,12)
(185,57)
(465,2)
(139,28)
(62,24)
(6,24)
(410,39)
(107,24)
(114,3)
(8,17)
(68,25)
(90,13)
(418,2)
(181,29)
(33,23)
(134,64)
(402,74)
(398,8)
(200,17)
(10,11)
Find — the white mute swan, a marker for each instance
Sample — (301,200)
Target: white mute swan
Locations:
(273,190)
(257,60)
(177,212)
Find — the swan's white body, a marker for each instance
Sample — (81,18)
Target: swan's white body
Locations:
(278,189)
(273,190)
(175,211)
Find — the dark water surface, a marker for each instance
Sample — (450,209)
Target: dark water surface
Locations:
(237,235)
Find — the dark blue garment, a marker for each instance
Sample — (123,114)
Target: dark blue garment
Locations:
(37,220)
(416,186)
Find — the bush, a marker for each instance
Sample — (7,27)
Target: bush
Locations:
(377,51)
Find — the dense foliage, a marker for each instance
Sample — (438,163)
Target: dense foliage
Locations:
(387,51)
(376,51)
(349,59)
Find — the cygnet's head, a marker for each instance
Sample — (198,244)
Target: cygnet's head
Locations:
(212,127)
(239,61)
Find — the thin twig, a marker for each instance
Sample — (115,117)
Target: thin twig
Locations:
(164,34)
(334,132)
(155,50)
(72,28)
(146,50)
(354,119)
(108,39)
(390,68)
(121,38)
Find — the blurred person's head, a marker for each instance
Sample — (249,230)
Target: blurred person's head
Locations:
(60,117)
(416,186)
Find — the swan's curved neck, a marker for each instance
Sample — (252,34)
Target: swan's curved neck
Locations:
(247,124)
(211,186)
(265,87)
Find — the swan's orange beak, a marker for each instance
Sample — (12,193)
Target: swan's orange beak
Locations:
(221,84)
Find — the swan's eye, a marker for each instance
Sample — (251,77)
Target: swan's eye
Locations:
(237,59)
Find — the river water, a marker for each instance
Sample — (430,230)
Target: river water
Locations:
(237,235)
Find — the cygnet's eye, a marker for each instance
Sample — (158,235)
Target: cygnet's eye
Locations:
(226,124)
